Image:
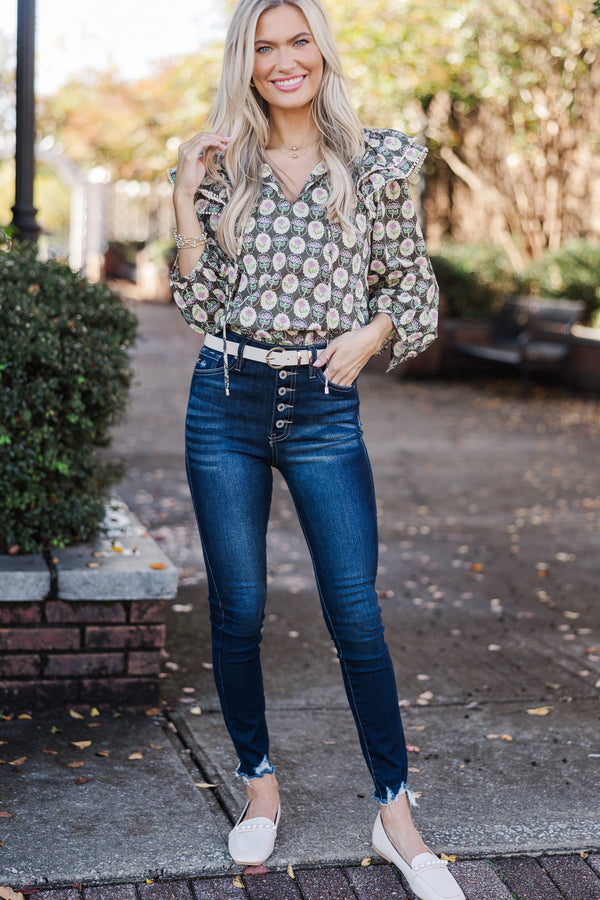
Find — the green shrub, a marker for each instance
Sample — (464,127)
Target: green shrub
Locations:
(572,272)
(474,278)
(64,378)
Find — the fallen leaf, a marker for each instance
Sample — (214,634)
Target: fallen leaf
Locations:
(204,784)
(18,762)
(7,893)
(290,871)
(137,754)
(492,737)
(94,713)
(81,781)
(451,858)
(237,882)
(412,748)
(55,730)
(569,614)
(539,711)
(5,815)
(196,710)
(99,554)
(74,714)
(415,727)
(477,567)
(493,648)
(156,746)
(149,881)
(51,752)
(103,753)
(506,737)
(76,765)
(153,711)
(257,870)
(366,861)
(2,743)
(24,716)
(584,854)
(161,566)
(413,769)
(182,607)
(81,744)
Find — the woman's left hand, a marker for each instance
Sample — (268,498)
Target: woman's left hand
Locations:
(348,353)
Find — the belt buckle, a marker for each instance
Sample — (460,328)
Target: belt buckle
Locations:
(269,362)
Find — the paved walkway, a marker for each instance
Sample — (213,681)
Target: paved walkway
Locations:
(488,508)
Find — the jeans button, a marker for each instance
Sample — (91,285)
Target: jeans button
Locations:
(280,407)
(282,391)
(283,374)
(279,423)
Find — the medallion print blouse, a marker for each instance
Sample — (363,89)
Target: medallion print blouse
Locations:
(299,277)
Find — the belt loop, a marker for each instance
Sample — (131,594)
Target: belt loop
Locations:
(312,372)
(239,361)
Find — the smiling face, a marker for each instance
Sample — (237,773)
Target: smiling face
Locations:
(288,65)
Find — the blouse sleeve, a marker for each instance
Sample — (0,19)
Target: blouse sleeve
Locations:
(201,294)
(401,280)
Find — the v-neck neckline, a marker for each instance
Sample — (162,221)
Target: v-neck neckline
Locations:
(320,166)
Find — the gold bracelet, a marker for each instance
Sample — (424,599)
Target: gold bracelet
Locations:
(182,242)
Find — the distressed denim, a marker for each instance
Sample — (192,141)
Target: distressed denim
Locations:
(284,419)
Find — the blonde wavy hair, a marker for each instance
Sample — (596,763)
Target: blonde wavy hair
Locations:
(240,112)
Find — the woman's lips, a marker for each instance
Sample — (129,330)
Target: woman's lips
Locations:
(289,84)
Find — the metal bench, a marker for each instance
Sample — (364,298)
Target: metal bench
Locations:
(528,333)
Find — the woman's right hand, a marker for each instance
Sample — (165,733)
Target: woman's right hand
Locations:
(191,162)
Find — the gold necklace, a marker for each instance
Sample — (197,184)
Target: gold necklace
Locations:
(295,150)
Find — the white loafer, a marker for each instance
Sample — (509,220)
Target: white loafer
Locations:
(428,876)
(251,842)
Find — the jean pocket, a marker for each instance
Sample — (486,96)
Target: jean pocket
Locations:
(209,362)
(343,388)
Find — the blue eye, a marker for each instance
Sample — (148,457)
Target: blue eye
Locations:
(260,49)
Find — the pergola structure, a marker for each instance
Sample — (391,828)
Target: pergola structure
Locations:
(24,212)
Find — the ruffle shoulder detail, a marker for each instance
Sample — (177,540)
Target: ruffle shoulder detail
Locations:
(388,155)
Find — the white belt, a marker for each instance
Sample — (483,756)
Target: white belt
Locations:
(276,357)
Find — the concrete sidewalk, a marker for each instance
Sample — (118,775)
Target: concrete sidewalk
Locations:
(489,531)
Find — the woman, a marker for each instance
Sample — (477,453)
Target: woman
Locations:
(299,257)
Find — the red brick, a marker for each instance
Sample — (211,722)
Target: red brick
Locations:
(110,892)
(63,611)
(20,613)
(144,663)
(20,666)
(147,611)
(39,639)
(119,691)
(126,636)
(59,894)
(38,696)
(85,664)
(166,890)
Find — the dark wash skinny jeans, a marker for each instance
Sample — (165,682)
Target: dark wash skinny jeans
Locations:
(284,418)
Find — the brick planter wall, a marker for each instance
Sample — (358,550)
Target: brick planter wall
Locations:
(88,627)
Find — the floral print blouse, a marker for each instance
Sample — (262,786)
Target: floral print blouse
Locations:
(298,277)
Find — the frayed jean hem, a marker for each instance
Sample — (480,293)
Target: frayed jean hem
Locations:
(392,796)
(263,768)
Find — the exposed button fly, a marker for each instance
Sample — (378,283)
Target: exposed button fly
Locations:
(282,391)
(279,423)
(283,374)
(280,407)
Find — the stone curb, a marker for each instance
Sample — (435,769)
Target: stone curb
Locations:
(124,564)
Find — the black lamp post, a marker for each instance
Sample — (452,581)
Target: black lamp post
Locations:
(24,212)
